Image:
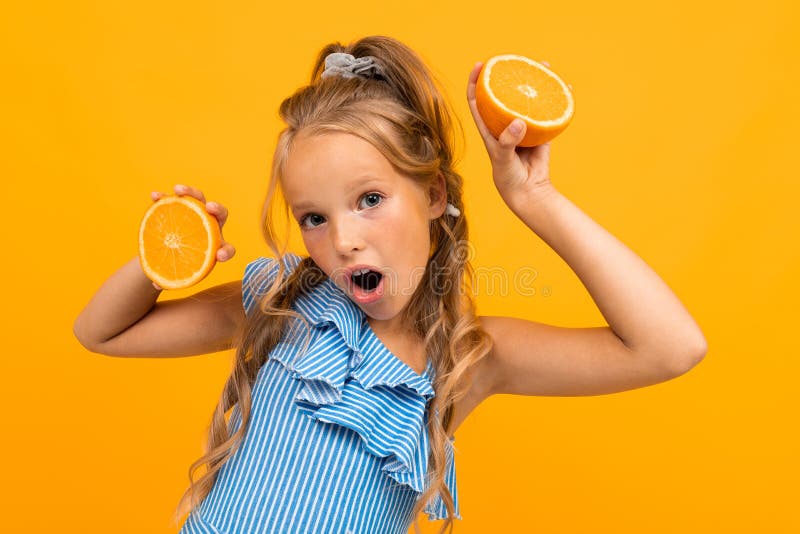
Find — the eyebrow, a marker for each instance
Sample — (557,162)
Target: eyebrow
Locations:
(358,182)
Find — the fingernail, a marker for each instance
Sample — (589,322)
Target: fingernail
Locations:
(516,126)
(213,205)
(180,186)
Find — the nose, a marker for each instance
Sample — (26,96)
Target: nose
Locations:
(346,236)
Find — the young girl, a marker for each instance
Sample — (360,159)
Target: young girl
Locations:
(355,366)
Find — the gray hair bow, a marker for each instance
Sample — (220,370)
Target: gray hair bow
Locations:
(347,66)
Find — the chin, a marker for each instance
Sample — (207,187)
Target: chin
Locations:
(377,311)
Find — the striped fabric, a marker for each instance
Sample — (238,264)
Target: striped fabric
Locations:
(337,441)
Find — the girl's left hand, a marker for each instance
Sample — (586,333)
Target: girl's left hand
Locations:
(516,170)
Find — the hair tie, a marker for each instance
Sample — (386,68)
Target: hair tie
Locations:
(452,210)
(347,66)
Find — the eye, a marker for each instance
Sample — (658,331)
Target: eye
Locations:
(308,217)
(375,197)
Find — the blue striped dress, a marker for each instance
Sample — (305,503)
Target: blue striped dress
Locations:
(337,441)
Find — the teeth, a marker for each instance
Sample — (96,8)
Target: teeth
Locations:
(360,271)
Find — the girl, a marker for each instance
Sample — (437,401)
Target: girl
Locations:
(355,366)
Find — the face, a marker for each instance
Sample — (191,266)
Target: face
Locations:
(354,209)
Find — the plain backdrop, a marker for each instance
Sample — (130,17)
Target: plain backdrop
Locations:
(682,146)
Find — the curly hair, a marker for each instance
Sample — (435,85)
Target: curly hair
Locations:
(402,112)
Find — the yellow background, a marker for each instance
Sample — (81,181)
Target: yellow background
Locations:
(682,146)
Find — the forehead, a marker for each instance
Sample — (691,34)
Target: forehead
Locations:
(320,163)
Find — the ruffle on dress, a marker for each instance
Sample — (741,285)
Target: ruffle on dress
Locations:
(351,379)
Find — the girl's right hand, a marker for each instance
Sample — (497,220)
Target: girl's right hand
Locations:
(226,250)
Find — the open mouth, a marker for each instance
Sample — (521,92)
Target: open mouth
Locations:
(366,279)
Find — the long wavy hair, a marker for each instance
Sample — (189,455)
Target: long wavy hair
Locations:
(403,113)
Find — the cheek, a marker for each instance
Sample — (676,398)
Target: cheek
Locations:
(411,235)
(407,215)
(315,249)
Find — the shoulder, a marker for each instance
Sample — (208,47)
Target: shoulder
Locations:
(261,272)
(266,267)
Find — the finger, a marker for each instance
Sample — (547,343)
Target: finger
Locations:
(219,211)
(225,252)
(181,189)
(157,287)
(473,77)
(155,195)
(511,136)
(545,63)
(488,138)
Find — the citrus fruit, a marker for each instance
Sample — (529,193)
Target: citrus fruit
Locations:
(511,86)
(178,241)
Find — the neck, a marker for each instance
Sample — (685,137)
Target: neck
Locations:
(388,326)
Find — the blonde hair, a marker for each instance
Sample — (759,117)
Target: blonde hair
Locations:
(403,114)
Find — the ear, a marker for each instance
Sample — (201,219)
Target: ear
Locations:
(437,196)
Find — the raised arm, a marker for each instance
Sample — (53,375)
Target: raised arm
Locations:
(124,319)
(651,336)
(122,300)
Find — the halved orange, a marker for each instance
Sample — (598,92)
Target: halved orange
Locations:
(178,241)
(511,86)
